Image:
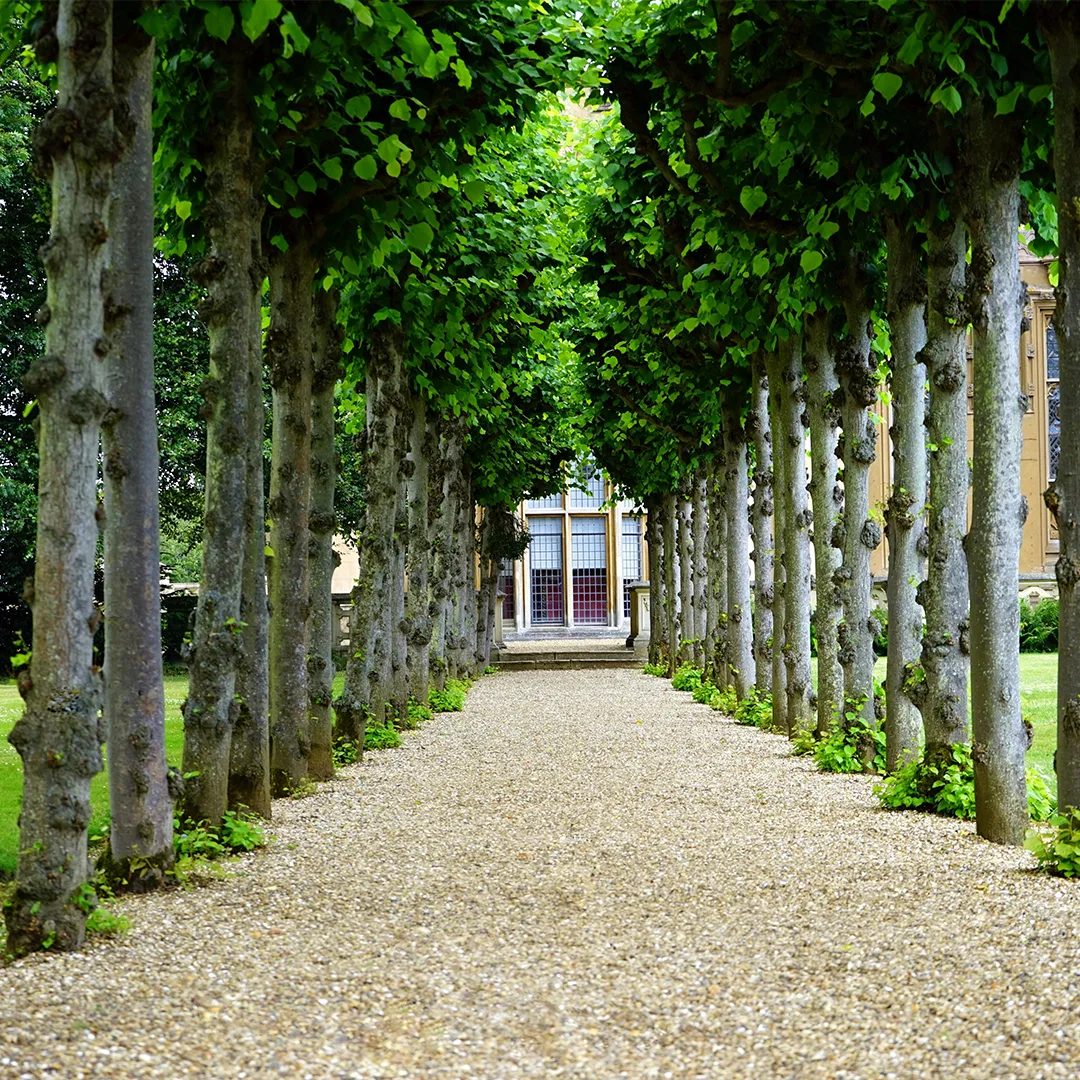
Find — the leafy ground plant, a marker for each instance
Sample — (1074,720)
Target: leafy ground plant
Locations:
(845,750)
(754,710)
(725,701)
(450,699)
(1057,849)
(703,693)
(687,677)
(659,670)
(381,736)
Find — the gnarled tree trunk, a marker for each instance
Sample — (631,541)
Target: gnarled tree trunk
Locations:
(289,356)
(944,593)
(669,531)
(653,543)
(326,346)
(989,187)
(761,525)
(229,274)
(906,307)
(792,443)
(139,799)
(423,439)
(740,630)
(781,504)
(59,736)
(686,574)
(828,504)
(367,672)
(718,658)
(1062,33)
(859,533)
(698,533)
(449,458)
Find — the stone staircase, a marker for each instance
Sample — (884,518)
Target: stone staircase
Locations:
(562,656)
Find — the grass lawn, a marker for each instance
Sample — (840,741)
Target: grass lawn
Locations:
(11,768)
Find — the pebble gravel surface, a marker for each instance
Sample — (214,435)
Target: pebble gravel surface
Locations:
(581,875)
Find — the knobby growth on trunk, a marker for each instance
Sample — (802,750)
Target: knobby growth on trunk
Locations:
(781,508)
(740,630)
(906,308)
(699,531)
(990,193)
(59,736)
(717,630)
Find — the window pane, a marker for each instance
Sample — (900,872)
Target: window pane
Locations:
(546,570)
(588,556)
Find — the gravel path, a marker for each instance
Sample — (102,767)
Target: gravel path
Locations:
(581,876)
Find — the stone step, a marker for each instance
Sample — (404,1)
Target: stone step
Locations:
(566,662)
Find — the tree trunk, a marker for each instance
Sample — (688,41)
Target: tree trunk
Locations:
(859,533)
(399,647)
(59,736)
(828,504)
(249,750)
(367,672)
(326,348)
(423,440)
(686,574)
(698,534)
(653,543)
(800,712)
(229,275)
(989,186)
(464,591)
(781,502)
(906,308)
(740,631)
(718,653)
(944,593)
(1063,496)
(761,526)
(496,524)
(139,800)
(289,356)
(449,457)
(670,579)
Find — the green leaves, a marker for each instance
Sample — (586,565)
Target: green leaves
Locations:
(358,107)
(419,237)
(753,199)
(887,84)
(219,21)
(1007,102)
(810,260)
(366,168)
(257,15)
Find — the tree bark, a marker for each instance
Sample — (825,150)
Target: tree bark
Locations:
(761,525)
(670,578)
(653,543)
(140,803)
(781,503)
(449,458)
(699,531)
(686,573)
(249,748)
(367,672)
(827,497)
(59,736)
(423,440)
(399,647)
(859,533)
(740,630)
(797,517)
(289,356)
(326,347)
(465,595)
(944,593)
(497,524)
(718,654)
(989,187)
(906,309)
(1062,33)
(228,273)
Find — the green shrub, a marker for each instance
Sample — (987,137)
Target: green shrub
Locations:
(844,749)
(1039,626)
(241,831)
(703,692)
(416,716)
(659,670)
(450,699)
(724,701)
(687,677)
(1057,850)
(947,787)
(755,710)
(383,736)
(345,753)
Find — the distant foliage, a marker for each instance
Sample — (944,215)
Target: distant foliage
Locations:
(1039,626)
